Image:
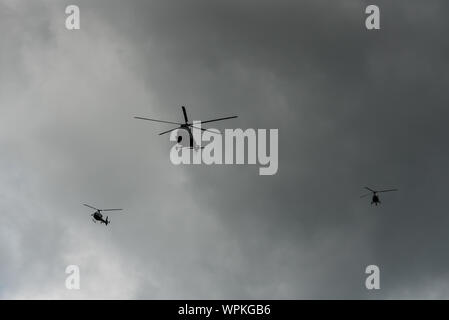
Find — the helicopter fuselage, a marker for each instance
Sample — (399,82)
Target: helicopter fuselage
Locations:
(187,128)
(375,199)
(99,217)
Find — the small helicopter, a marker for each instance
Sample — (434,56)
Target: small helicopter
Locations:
(186,126)
(375,199)
(97,216)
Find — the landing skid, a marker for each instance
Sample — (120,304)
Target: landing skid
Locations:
(194,148)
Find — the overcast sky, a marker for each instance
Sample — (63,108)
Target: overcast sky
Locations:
(353,107)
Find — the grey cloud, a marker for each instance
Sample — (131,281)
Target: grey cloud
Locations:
(353,108)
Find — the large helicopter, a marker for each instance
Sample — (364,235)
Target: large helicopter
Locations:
(186,126)
(97,216)
(375,199)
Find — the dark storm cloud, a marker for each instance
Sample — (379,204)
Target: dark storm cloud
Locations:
(353,108)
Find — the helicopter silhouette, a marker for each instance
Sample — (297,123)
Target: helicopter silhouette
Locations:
(186,126)
(375,199)
(97,216)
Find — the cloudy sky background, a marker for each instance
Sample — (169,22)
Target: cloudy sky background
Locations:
(353,108)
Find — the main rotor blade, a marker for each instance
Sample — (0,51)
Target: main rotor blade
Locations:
(185,113)
(90,206)
(202,129)
(111,209)
(168,131)
(141,118)
(370,189)
(219,119)
(368,194)
(388,190)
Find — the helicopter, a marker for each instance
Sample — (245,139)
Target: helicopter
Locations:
(375,199)
(186,126)
(97,216)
